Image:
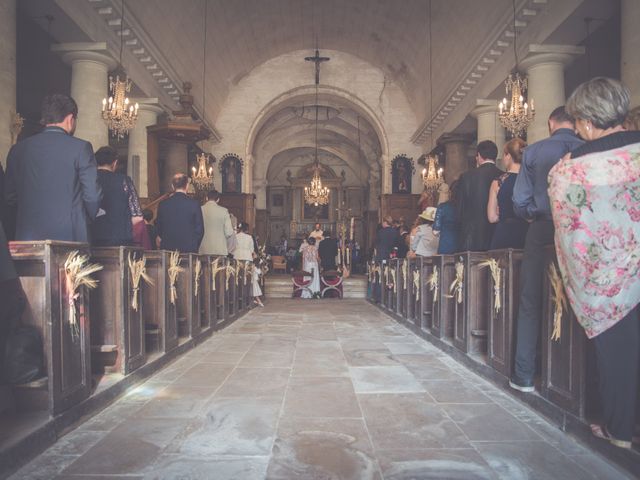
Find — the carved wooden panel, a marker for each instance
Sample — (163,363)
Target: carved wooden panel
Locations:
(158,311)
(501,335)
(40,267)
(117,330)
(450,309)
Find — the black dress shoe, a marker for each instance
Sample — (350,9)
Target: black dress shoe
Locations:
(521,385)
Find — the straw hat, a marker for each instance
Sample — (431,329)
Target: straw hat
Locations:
(429,214)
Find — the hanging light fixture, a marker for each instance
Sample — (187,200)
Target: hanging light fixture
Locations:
(202,176)
(516,115)
(117,112)
(432,174)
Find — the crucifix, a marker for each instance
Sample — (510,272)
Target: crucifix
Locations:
(317,59)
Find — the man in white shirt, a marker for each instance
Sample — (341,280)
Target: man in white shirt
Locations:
(317,233)
(218,231)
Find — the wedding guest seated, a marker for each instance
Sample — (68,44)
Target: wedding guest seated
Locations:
(180,225)
(594,200)
(425,243)
(446,225)
(511,230)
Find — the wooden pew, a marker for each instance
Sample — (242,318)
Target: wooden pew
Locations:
(501,335)
(161,327)
(192,303)
(444,314)
(67,351)
(231,291)
(217,306)
(431,298)
(471,314)
(117,329)
(564,362)
(245,299)
(412,293)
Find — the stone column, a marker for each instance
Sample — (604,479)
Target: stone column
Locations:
(148,112)
(489,126)
(630,48)
(176,161)
(455,148)
(90,65)
(7,73)
(545,69)
(260,191)
(247,175)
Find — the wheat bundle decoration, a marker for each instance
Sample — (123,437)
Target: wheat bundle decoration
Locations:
(197,274)
(77,273)
(215,268)
(496,276)
(385,276)
(416,283)
(369,272)
(393,280)
(237,272)
(559,301)
(247,271)
(229,272)
(138,271)
(405,272)
(457,286)
(433,283)
(174,270)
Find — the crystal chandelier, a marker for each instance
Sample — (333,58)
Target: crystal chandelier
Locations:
(431,174)
(517,115)
(315,194)
(117,112)
(202,177)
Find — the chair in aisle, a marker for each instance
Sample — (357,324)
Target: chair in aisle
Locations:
(279,263)
(301,282)
(331,284)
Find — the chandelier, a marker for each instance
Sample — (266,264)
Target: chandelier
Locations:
(315,193)
(117,112)
(432,175)
(202,177)
(517,115)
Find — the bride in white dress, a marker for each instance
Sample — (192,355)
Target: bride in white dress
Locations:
(310,262)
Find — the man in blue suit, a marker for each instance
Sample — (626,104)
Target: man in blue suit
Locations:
(51,178)
(180,225)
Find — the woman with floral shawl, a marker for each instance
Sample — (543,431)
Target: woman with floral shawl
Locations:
(595,201)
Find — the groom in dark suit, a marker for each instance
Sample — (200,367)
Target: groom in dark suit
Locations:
(180,225)
(51,178)
(473,191)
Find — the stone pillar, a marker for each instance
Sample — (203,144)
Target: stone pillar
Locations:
(176,161)
(630,48)
(7,73)
(489,126)
(148,112)
(455,148)
(260,191)
(247,175)
(545,70)
(90,65)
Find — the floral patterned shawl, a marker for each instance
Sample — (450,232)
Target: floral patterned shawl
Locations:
(595,201)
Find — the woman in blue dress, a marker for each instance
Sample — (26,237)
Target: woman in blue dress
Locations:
(511,230)
(446,224)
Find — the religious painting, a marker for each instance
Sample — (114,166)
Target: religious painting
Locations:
(231,170)
(312,212)
(401,172)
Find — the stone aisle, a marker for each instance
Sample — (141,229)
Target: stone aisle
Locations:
(316,390)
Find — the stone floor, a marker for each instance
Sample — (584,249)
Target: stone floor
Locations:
(317,390)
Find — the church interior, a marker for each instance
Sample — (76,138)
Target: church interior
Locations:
(165,368)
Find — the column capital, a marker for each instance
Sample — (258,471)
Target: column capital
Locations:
(451,137)
(550,54)
(85,51)
(484,106)
(149,104)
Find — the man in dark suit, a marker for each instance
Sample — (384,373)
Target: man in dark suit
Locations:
(180,225)
(51,178)
(328,249)
(473,188)
(387,239)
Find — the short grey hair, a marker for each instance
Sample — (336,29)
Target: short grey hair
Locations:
(603,101)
